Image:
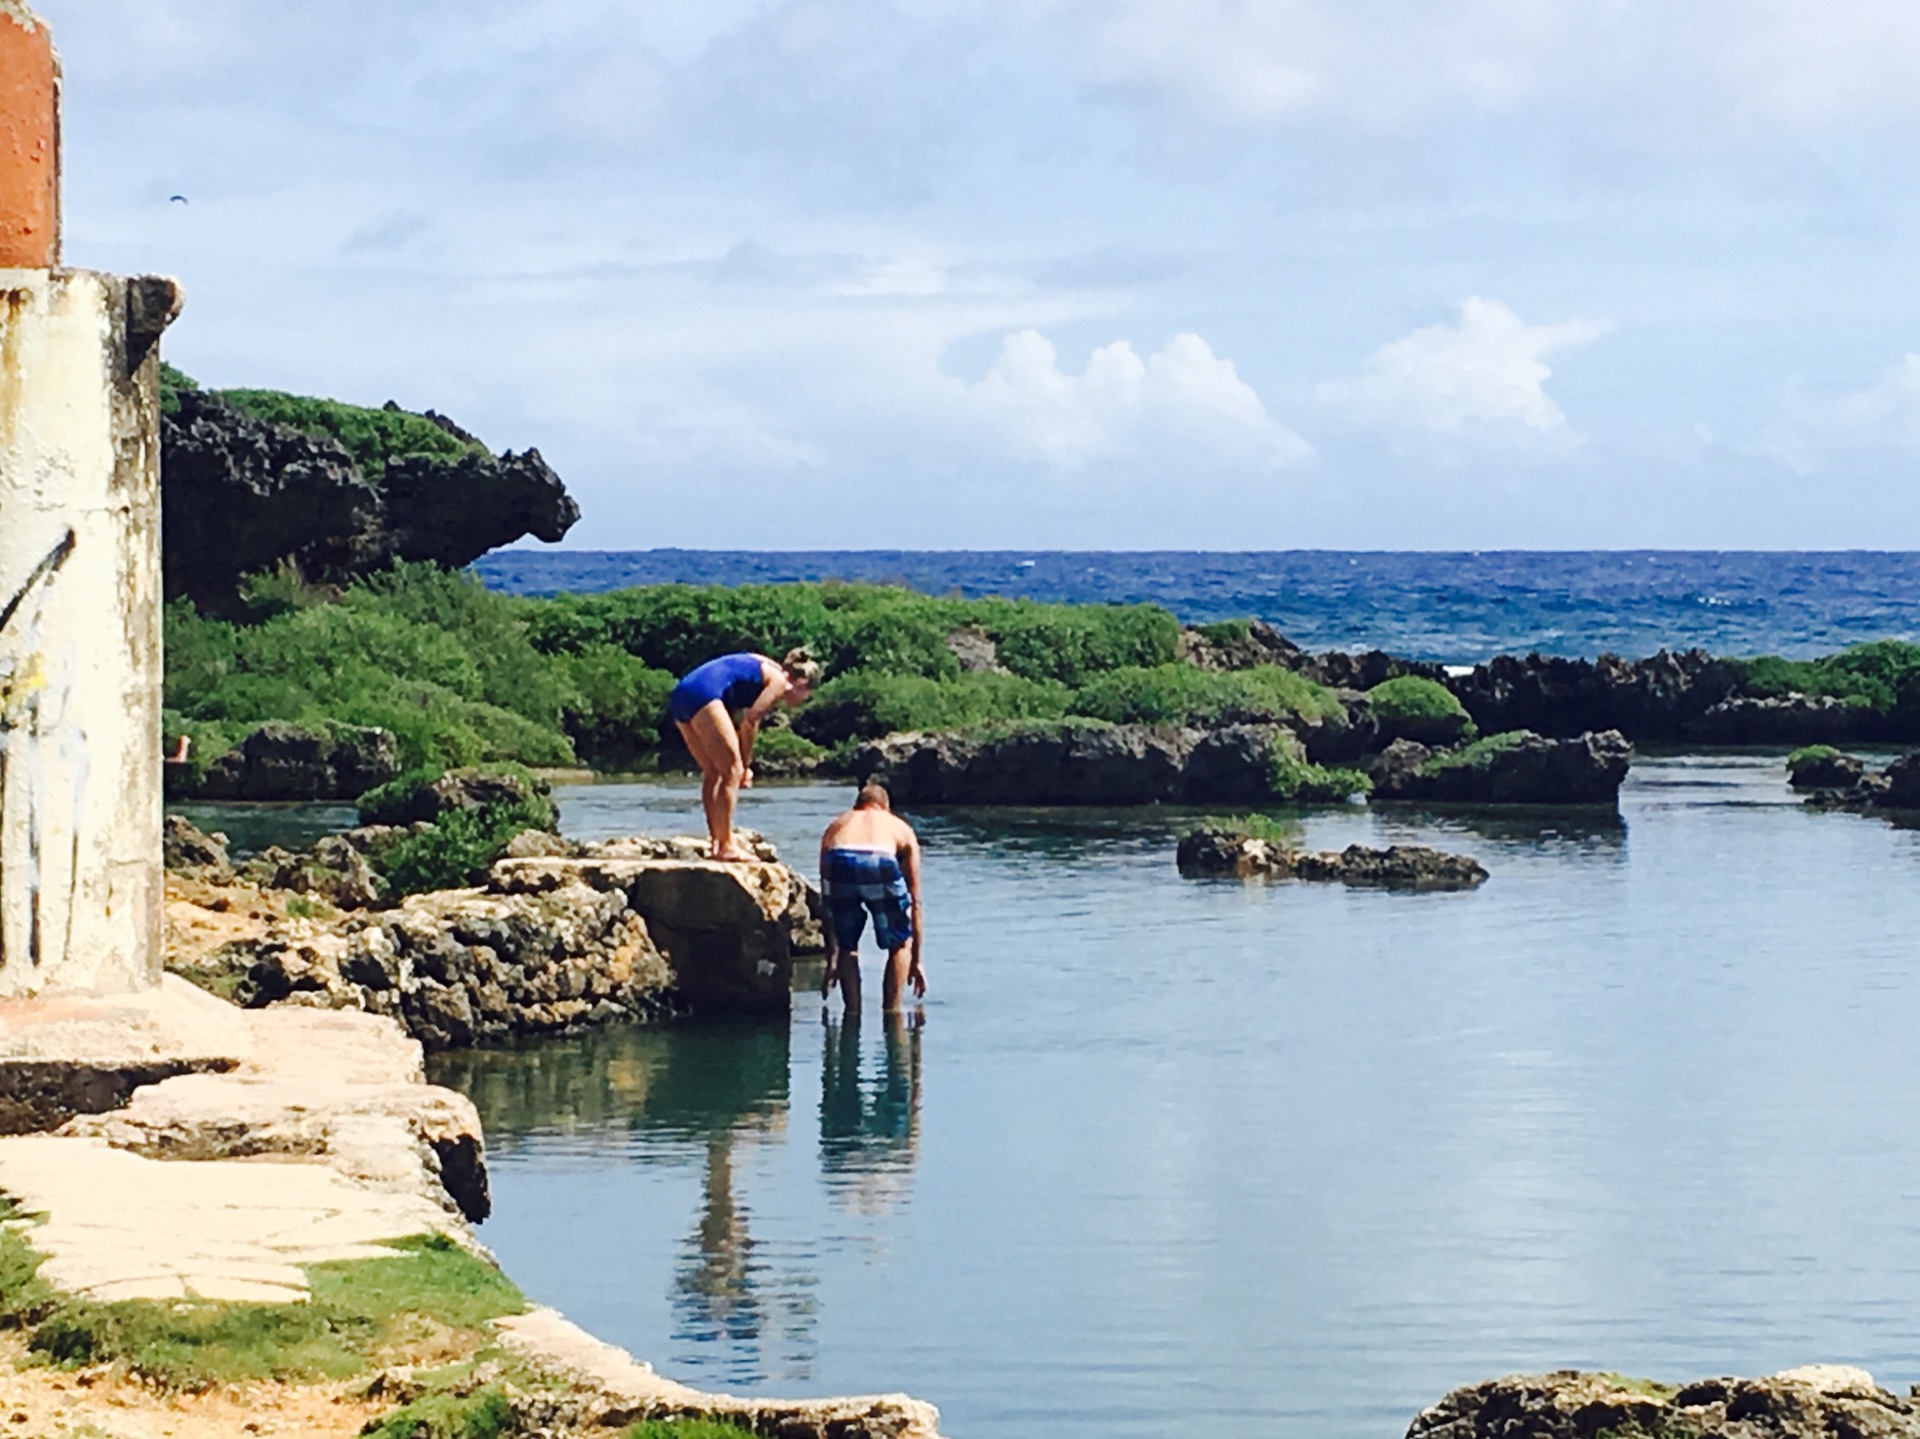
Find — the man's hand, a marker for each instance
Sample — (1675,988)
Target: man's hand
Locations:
(832,975)
(917,977)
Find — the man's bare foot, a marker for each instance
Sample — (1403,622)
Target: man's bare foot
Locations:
(734,856)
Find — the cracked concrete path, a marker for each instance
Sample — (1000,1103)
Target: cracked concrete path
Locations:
(116,1225)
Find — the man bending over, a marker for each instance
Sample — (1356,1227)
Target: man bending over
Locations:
(870,865)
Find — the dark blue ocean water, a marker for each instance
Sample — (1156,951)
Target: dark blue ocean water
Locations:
(1451,607)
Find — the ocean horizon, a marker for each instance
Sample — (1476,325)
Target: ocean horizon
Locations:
(1451,606)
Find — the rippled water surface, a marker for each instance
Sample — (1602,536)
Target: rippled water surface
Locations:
(1293,1160)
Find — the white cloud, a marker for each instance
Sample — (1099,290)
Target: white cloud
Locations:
(1122,406)
(1884,417)
(1726,64)
(1485,375)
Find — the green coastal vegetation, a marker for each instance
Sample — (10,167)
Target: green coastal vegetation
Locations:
(464,676)
(372,437)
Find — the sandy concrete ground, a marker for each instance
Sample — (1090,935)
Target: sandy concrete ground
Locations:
(97,1404)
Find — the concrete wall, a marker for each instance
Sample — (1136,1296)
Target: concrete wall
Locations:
(80,656)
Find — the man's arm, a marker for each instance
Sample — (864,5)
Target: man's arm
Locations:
(910,867)
(833,948)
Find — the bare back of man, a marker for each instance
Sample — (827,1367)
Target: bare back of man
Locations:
(870,869)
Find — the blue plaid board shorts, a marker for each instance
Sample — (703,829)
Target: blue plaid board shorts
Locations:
(859,882)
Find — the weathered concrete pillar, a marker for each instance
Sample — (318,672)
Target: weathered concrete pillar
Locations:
(29,141)
(80,659)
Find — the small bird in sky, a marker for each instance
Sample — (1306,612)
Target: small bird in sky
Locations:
(176,199)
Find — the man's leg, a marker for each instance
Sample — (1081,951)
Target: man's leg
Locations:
(849,972)
(895,983)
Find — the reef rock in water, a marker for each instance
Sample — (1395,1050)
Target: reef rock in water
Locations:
(240,495)
(1817,1400)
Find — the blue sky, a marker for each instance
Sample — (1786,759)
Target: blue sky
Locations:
(1074,273)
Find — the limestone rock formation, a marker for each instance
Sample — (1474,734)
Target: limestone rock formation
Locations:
(1650,699)
(185,845)
(1063,764)
(240,496)
(1515,768)
(1787,719)
(1208,648)
(287,762)
(1822,767)
(1223,850)
(1814,1402)
(475,788)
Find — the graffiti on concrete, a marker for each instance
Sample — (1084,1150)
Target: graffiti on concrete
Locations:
(33,711)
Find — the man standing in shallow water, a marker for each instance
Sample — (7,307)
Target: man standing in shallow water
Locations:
(870,865)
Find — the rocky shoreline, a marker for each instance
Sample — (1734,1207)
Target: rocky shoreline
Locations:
(560,937)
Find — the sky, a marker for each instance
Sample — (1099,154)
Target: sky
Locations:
(1130,274)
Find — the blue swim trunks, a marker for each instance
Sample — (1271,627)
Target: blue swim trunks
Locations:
(860,882)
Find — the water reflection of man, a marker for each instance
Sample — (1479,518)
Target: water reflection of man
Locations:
(870,867)
(869,1142)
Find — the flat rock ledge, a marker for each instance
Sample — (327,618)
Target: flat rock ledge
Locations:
(1820,1400)
(1216,851)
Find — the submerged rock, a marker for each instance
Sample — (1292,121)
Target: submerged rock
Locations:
(1814,1402)
(1223,850)
(288,762)
(1515,768)
(1823,767)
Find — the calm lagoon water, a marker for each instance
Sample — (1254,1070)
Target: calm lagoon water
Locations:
(1294,1160)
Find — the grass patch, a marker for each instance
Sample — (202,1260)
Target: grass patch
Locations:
(1181,694)
(487,1413)
(1477,755)
(685,1429)
(1883,676)
(372,437)
(1651,1388)
(1296,778)
(1254,826)
(1415,706)
(362,1312)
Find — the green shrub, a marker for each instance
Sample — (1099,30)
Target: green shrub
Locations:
(614,706)
(1813,754)
(1299,780)
(1477,755)
(1071,644)
(777,750)
(1883,676)
(1254,826)
(865,704)
(685,1429)
(1412,707)
(372,437)
(1227,632)
(1181,694)
(173,384)
(457,846)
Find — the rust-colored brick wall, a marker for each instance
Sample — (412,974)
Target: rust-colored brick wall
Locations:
(29,141)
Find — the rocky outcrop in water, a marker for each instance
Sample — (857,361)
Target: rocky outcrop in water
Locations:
(563,936)
(1815,1402)
(1650,699)
(476,788)
(240,496)
(1515,768)
(1223,850)
(1090,764)
(1787,719)
(1823,767)
(287,762)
